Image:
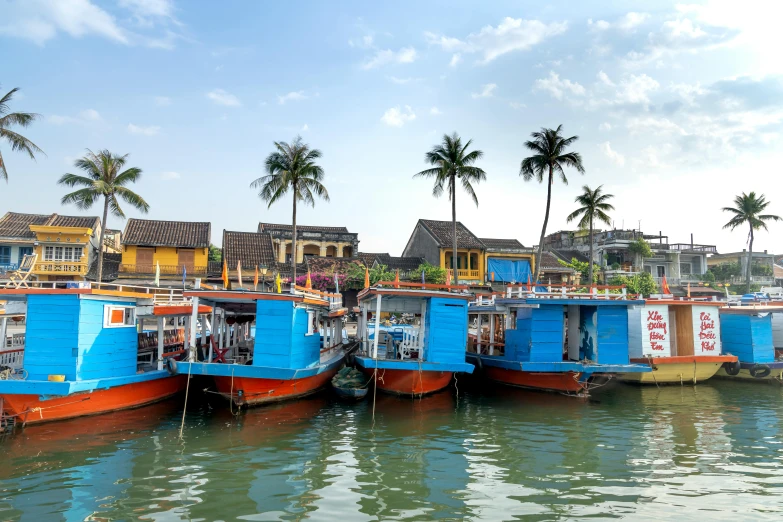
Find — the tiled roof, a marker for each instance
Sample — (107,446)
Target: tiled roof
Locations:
(318,264)
(568,255)
(368,258)
(182,234)
(443,231)
(405,263)
(74,221)
(549,261)
(502,244)
(252,248)
(111,267)
(15,225)
(268,227)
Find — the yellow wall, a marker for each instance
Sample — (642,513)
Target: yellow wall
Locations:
(165,256)
(68,237)
(445,253)
(528,257)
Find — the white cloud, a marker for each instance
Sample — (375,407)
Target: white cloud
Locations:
(456,58)
(387,56)
(163,8)
(395,117)
(403,81)
(305,127)
(41,20)
(598,25)
(222,97)
(292,96)
(512,34)
(487,91)
(365,42)
(636,89)
(688,92)
(617,158)
(632,20)
(651,125)
(150,130)
(435,111)
(170,175)
(604,79)
(517,105)
(557,88)
(162,101)
(85,116)
(605,126)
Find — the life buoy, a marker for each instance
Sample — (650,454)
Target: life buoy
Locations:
(760,371)
(171,366)
(732,368)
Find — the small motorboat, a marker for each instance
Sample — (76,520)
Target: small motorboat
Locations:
(349,383)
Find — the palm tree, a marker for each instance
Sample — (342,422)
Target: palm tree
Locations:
(292,167)
(452,163)
(17,141)
(550,156)
(593,206)
(106,178)
(748,209)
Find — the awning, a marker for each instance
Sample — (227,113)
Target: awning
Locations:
(508,270)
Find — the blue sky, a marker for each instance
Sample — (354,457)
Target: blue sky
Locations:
(678,107)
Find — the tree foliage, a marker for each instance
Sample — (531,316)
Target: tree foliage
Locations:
(215,253)
(583,267)
(640,247)
(14,139)
(641,284)
(432,274)
(354,277)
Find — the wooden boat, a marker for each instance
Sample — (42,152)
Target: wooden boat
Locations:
(292,361)
(81,354)
(420,358)
(551,340)
(349,383)
(748,331)
(679,338)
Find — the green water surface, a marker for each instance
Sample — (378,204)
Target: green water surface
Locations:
(713,451)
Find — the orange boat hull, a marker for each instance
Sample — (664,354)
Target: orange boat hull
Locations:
(409,382)
(556,381)
(249,391)
(29,409)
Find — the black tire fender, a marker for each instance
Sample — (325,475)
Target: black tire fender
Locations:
(171,366)
(760,371)
(732,368)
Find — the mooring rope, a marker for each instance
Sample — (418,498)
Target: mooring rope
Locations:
(185,408)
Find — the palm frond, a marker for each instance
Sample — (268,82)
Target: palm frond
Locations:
(132,199)
(20,143)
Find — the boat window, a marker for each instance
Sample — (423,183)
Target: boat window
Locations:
(310,322)
(119,316)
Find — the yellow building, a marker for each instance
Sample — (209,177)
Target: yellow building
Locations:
(477,259)
(65,244)
(311,241)
(175,246)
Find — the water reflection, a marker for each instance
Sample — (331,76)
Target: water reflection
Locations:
(486,454)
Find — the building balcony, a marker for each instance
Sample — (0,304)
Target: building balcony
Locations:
(468,274)
(8,267)
(127,269)
(688,247)
(60,268)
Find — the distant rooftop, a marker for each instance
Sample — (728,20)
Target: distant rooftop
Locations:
(181,234)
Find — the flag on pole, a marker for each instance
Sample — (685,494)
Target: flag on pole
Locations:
(277,283)
(397,278)
(184,275)
(448,277)
(255,280)
(239,273)
(157,273)
(366,278)
(528,282)
(336,285)
(423,280)
(308,282)
(689,289)
(665,286)
(225,274)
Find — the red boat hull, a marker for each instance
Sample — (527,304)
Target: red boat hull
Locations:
(409,382)
(29,409)
(249,391)
(558,381)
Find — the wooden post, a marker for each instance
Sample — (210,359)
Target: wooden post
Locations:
(377,327)
(492,334)
(422,329)
(212,329)
(3,333)
(478,333)
(186,344)
(160,342)
(193,320)
(221,330)
(364,329)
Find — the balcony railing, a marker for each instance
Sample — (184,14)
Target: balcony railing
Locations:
(468,274)
(7,267)
(165,270)
(687,247)
(60,267)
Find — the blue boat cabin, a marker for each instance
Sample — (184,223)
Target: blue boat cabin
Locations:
(748,335)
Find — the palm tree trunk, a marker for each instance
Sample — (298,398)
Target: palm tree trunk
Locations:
(100,240)
(590,272)
(293,245)
(454,226)
(546,220)
(749,269)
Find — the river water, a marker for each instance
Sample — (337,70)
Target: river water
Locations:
(711,451)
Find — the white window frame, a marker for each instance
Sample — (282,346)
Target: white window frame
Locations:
(129,313)
(311,316)
(48,253)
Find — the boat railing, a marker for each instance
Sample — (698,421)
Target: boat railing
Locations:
(566,291)
(486,299)
(422,286)
(159,295)
(12,351)
(335,300)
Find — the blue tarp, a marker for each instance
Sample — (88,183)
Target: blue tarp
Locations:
(508,270)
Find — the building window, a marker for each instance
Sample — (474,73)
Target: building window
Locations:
(119,316)
(58,253)
(661,270)
(685,269)
(5,255)
(25,251)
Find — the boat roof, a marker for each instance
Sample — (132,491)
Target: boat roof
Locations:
(234,299)
(752,309)
(684,301)
(586,301)
(415,290)
(12,294)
